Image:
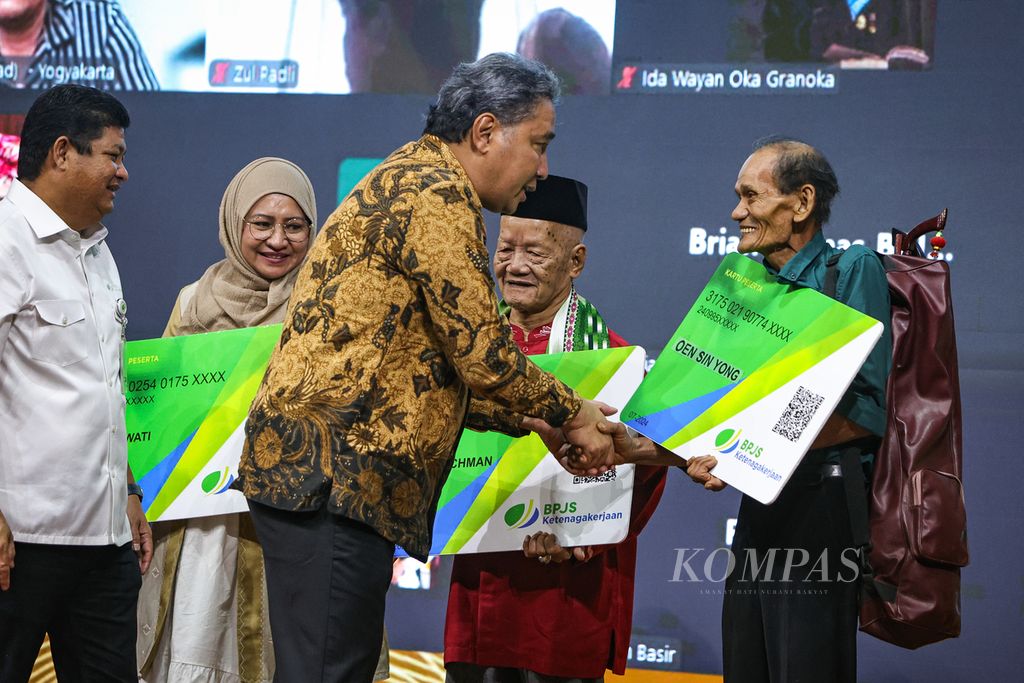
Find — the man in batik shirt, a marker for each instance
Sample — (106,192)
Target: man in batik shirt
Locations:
(392,323)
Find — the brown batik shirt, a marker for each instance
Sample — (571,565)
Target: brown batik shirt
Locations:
(392,322)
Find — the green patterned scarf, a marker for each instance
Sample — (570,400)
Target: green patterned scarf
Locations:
(577,325)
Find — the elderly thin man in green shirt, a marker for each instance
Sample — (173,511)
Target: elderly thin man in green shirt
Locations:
(796,618)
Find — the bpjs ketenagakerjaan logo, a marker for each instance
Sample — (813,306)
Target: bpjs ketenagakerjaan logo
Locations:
(217,481)
(728,441)
(522,515)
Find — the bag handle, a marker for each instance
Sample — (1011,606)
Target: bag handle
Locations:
(905,243)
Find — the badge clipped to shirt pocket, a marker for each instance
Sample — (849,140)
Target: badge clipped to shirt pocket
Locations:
(62,335)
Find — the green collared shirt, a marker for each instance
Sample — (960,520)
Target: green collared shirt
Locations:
(861,284)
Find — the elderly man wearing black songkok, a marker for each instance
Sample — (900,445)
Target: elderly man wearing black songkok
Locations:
(583,595)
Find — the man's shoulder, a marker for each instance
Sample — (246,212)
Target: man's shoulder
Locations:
(861,278)
(427,153)
(424,165)
(8,211)
(861,260)
(414,173)
(19,248)
(858,252)
(13,224)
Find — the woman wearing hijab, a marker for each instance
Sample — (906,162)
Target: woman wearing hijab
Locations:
(203,604)
(267,222)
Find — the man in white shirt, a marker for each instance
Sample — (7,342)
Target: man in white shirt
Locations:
(73,537)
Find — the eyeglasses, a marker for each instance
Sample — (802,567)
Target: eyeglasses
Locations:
(295,231)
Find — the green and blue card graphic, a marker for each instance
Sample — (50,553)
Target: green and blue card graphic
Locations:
(751,375)
(502,488)
(188,398)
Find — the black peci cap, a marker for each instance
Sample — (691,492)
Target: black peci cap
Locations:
(556,199)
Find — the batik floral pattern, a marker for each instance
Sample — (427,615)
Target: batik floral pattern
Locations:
(392,322)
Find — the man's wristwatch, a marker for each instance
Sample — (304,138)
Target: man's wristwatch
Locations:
(135,490)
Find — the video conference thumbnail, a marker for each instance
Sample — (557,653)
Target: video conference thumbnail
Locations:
(410,46)
(306,46)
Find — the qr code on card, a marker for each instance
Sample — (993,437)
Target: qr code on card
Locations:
(798,414)
(599,479)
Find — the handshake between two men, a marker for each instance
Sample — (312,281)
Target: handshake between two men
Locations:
(589,444)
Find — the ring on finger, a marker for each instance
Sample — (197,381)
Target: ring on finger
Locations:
(544,559)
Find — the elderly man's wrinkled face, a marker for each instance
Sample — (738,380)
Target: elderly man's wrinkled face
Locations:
(535,262)
(764,214)
(518,159)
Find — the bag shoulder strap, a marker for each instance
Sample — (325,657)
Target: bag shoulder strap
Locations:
(857,506)
(832,274)
(853,477)
(854,483)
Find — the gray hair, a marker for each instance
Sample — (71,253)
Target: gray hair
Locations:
(798,164)
(503,84)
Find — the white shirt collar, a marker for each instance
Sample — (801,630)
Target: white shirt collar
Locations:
(45,222)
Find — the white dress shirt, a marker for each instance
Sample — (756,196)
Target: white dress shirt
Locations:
(63,450)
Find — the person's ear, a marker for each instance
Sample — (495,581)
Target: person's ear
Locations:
(577,260)
(60,152)
(483,132)
(806,199)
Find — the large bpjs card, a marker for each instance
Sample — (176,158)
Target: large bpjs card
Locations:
(751,375)
(501,489)
(188,398)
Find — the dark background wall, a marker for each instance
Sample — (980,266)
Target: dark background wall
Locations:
(904,145)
